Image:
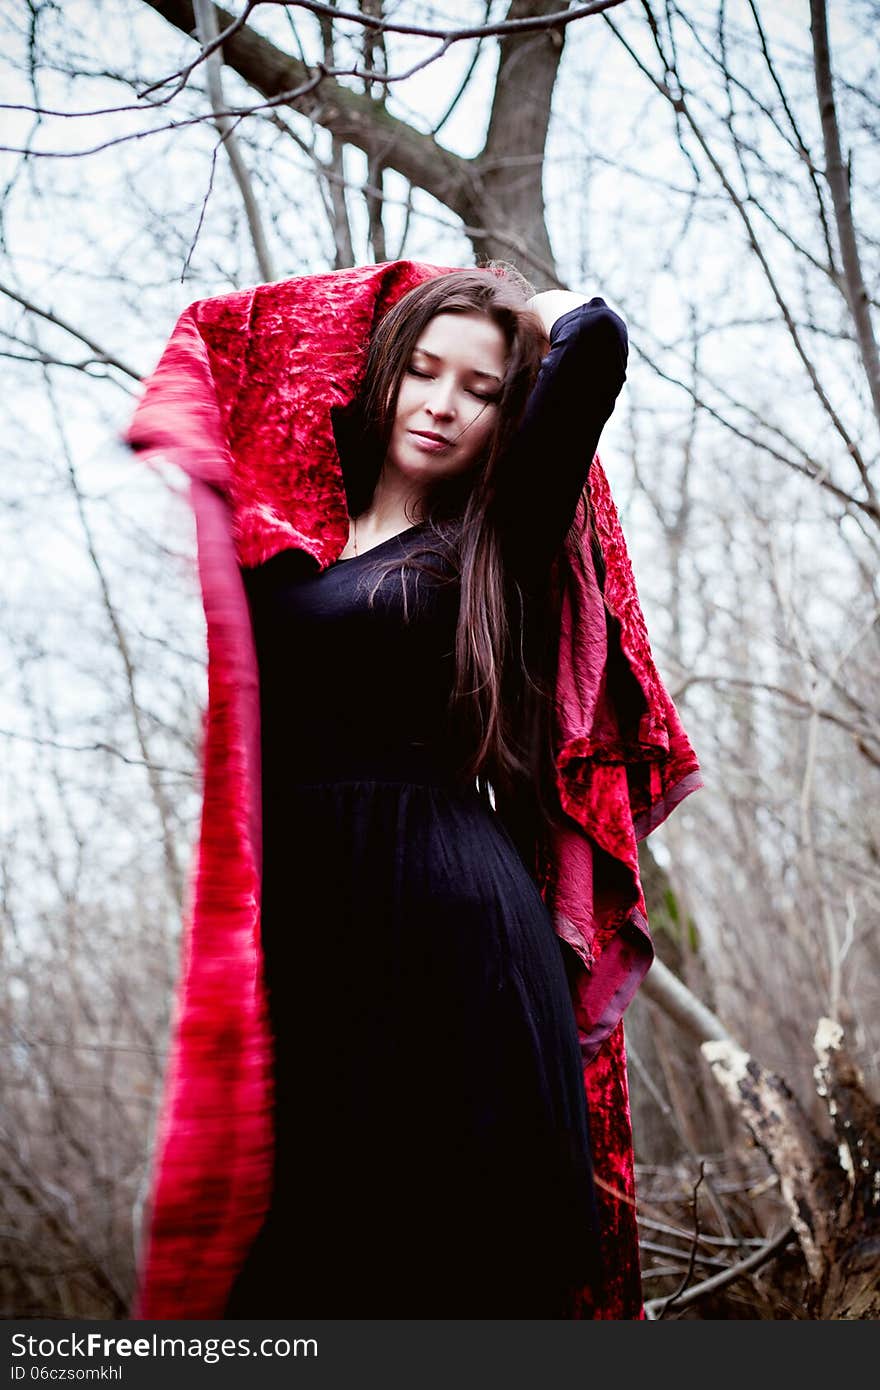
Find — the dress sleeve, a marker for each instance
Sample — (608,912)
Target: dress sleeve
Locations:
(546,465)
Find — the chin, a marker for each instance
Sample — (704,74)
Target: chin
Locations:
(417,466)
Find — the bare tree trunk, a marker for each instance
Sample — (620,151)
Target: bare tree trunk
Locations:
(375,58)
(510,197)
(206,26)
(838,176)
(832,1191)
(333,180)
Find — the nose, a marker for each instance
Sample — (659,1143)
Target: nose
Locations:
(441,398)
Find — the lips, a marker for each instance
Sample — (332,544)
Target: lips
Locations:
(429,434)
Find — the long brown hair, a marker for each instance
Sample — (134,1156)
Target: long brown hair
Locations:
(501,702)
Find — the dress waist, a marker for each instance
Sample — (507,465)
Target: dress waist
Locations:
(419,763)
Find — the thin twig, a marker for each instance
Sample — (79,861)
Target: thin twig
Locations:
(720,1281)
(674,1297)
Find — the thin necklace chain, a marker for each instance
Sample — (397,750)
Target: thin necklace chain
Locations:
(355,534)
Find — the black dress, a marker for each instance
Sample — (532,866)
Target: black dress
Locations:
(432,1150)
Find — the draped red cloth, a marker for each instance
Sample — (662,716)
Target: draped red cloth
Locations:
(241,400)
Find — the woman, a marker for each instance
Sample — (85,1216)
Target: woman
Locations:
(431,1137)
(428,1140)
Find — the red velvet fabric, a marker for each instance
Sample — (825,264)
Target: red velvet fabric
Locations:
(241,399)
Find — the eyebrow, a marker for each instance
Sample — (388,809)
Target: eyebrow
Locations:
(475,371)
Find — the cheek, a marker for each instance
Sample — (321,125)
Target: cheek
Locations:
(479,436)
(406,400)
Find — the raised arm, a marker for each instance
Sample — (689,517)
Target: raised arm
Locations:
(546,466)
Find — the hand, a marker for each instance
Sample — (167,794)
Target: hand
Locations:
(550,305)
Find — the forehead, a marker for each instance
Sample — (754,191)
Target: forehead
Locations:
(464,340)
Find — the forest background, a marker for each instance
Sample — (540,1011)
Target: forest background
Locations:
(711,169)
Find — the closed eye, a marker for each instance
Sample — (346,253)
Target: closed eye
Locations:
(480,395)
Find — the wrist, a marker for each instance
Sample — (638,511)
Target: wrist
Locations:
(550,305)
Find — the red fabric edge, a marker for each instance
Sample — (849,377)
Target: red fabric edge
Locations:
(220,1044)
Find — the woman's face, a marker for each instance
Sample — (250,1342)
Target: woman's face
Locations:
(447,404)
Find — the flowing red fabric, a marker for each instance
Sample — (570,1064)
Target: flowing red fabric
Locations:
(241,400)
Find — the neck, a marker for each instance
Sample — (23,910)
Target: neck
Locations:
(395,504)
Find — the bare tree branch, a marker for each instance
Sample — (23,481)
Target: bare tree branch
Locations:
(206,26)
(674,93)
(100,355)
